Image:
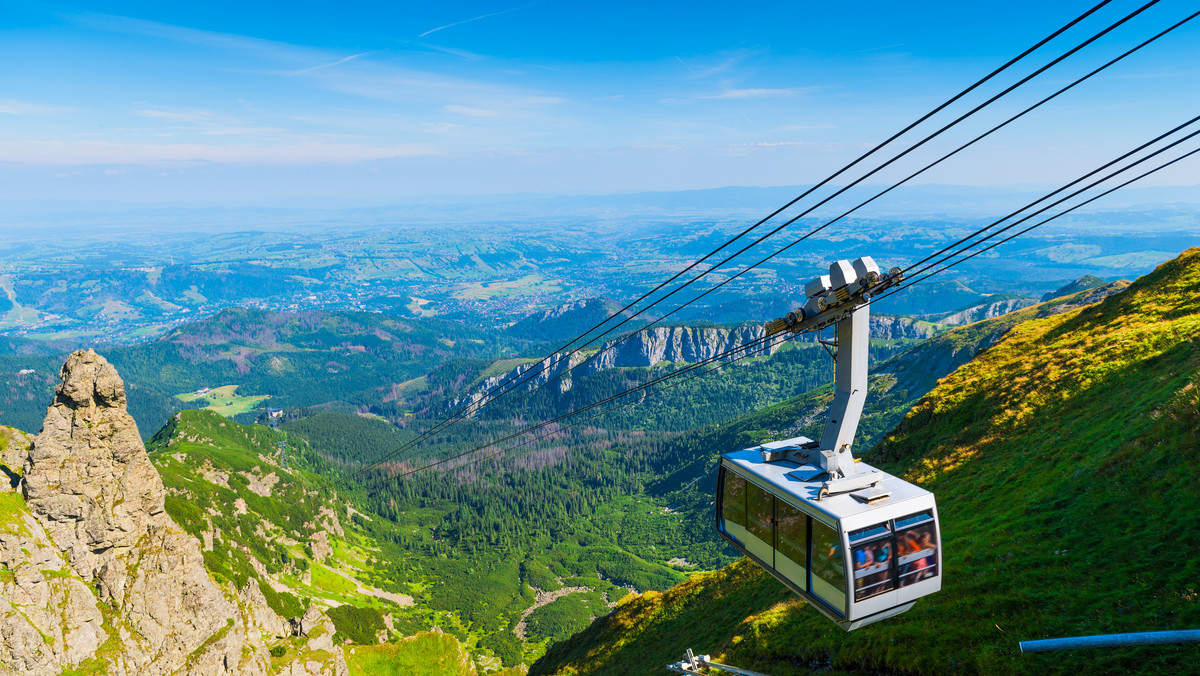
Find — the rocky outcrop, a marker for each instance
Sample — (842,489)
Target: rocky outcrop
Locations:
(527,376)
(645,348)
(688,344)
(1082,284)
(981,312)
(96,534)
(14,450)
(90,485)
(1094,295)
(653,346)
(320,546)
(49,619)
(889,327)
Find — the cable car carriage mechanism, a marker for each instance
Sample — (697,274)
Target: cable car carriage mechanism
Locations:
(857,543)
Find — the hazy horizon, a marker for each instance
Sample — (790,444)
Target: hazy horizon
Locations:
(175,103)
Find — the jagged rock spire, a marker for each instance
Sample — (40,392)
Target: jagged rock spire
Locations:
(90,483)
(88,476)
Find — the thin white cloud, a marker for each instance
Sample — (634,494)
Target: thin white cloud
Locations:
(328,65)
(191,116)
(14,107)
(724,66)
(473,112)
(371,79)
(759,93)
(804,127)
(875,49)
(690,70)
(477,18)
(298,152)
(243,131)
(131,26)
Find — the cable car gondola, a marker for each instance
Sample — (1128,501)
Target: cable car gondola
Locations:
(857,543)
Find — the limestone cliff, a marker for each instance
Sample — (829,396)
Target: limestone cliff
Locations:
(95,572)
(674,344)
(982,312)
(653,346)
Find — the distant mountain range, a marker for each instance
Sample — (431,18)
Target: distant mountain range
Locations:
(928,200)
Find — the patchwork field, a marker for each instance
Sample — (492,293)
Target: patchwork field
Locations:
(224,400)
(523,286)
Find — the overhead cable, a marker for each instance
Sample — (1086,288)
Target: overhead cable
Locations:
(1041,223)
(520,378)
(557,359)
(749,348)
(911,176)
(756,343)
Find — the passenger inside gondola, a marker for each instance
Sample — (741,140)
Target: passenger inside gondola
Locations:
(918,549)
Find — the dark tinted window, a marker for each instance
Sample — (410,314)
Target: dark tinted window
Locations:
(759,517)
(828,573)
(733,499)
(791,543)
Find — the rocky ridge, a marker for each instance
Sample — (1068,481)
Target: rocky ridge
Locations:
(92,553)
(645,348)
(677,344)
(982,312)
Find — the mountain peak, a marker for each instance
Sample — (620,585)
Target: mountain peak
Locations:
(88,476)
(93,495)
(88,381)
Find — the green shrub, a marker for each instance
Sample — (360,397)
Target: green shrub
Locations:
(357,624)
(279,651)
(538,575)
(285,604)
(505,646)
(565,616)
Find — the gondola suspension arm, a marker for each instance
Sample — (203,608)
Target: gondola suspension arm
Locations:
(841,299)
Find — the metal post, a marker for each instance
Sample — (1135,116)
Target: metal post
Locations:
(692,663)
(850,379)
(1111,641)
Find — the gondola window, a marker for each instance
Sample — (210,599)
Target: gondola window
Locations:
(828,573)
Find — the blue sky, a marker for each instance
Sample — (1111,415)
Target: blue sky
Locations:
(265,101)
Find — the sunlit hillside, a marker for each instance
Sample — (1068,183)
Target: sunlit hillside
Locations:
(1063,460)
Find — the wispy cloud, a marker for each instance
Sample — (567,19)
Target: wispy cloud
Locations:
(328,65)
(690,70)
(875,49)
(299,151)
(473,112)
(477,18)
(189,116)
(14,107)
(131,26)
(724,66)
(243,131)
(759,93)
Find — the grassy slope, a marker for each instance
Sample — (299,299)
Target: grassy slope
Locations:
(1063,461)
(424,654)
(206,462)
